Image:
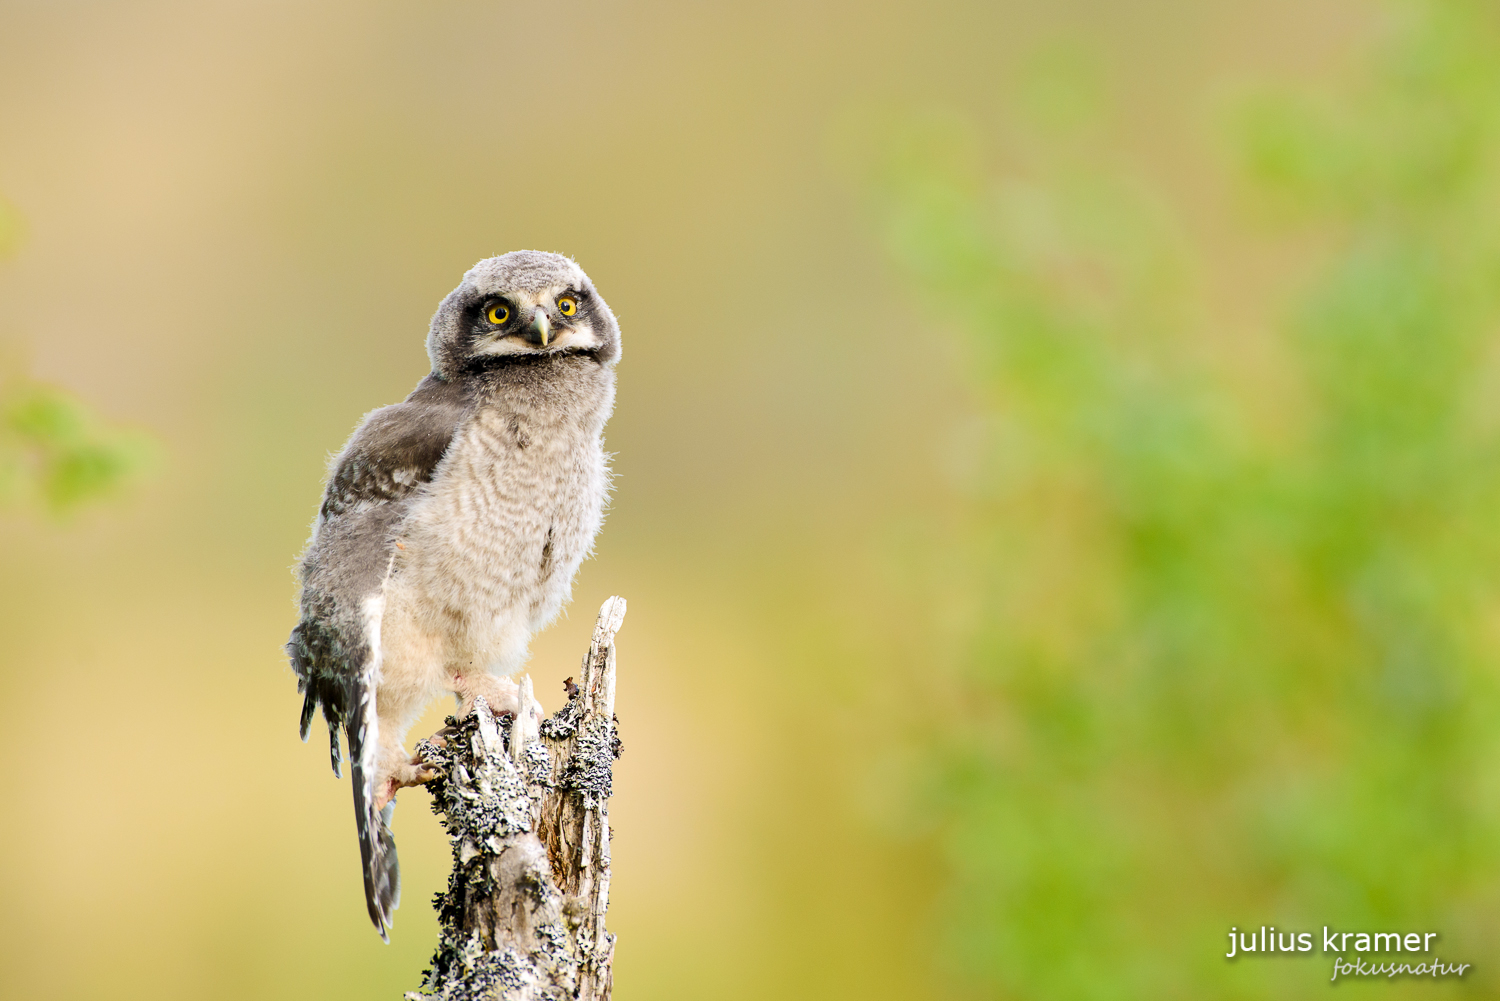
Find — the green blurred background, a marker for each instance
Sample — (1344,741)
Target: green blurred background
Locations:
(1058,496)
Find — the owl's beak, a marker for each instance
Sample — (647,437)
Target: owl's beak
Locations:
(541,327)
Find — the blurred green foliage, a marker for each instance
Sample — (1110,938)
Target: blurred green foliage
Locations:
(54,452)
(1226,631)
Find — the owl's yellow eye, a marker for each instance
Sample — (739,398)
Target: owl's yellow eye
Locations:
(499,313)
(567,305)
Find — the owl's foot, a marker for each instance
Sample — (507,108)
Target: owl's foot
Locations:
(502,694)
(415,772)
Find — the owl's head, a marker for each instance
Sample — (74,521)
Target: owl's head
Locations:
(526,303)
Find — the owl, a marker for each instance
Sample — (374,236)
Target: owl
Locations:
(452,526)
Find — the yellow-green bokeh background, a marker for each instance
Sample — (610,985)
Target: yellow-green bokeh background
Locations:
(239,218)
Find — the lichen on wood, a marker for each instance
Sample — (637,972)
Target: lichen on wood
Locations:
(525,801)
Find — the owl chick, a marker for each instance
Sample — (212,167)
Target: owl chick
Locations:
(452,526)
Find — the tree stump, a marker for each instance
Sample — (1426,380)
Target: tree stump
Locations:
(525,803)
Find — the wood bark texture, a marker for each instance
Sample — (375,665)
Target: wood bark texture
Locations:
(525,803)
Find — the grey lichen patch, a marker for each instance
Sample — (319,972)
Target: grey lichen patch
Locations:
(536,765)
(479,789)
(563,723)
(590,768)
(526,811)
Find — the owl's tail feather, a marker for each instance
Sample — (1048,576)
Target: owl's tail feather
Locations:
(377,849)
(309,707)
(331,713)
(377,846)
(333,750)
(317,689)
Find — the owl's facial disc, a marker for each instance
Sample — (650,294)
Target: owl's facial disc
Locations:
(552,321)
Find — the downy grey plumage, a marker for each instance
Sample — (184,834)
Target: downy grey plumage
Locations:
(452,526)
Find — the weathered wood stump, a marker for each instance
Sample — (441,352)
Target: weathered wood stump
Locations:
(525,802)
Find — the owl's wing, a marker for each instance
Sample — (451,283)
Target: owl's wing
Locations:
(335,648)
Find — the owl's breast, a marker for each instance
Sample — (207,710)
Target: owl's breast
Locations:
(510,514)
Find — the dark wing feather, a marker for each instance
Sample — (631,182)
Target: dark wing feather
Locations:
(335,648)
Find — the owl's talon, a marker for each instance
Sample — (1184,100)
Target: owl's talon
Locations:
(502,695)
(415,772)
